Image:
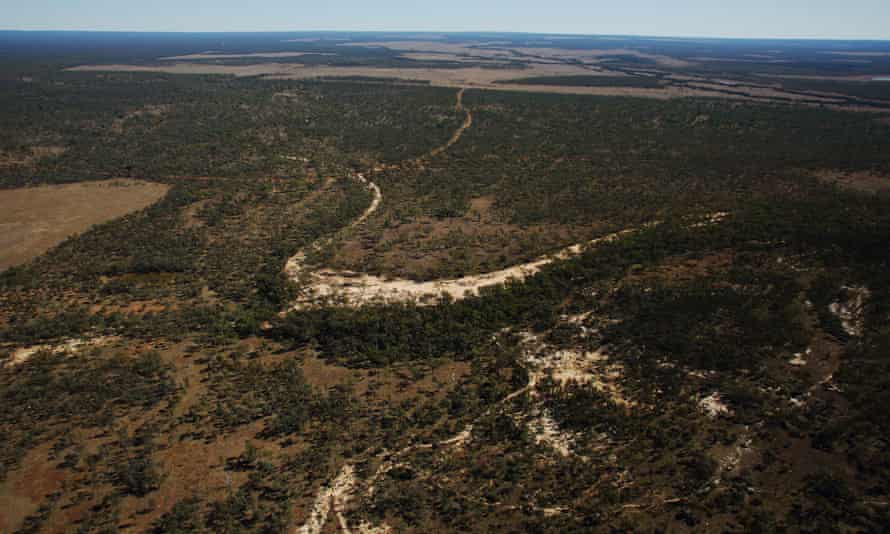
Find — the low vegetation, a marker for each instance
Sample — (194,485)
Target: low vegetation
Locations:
(721,367)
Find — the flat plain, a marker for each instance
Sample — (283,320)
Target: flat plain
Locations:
(34,219)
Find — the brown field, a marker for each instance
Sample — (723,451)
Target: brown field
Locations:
(33,220)
(539,54)
(442,56)
(535,62)
(862,181)
(259,69)
(431,46)
(211,55)
(475,78)
(294,71)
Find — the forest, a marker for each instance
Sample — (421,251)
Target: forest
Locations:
(720,365)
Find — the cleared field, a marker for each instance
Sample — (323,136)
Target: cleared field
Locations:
(260,69)
(213,55)
(499,79)
(295,71)
(33,220)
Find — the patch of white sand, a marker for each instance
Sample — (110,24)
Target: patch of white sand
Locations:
(69,346)
(713,406)
(850,311)
(798,360)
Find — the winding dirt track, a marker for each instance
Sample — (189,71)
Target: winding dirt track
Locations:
(468,122)
(354,289)
(346,288)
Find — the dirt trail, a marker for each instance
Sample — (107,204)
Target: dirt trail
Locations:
(334,495)
(343,489)
(468,122)
(296,265)
(295,268)
(347,288)
(540,360)
(352,289)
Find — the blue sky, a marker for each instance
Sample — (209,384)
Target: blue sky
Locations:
(853,19)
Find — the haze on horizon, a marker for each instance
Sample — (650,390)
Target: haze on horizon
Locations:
(822,19)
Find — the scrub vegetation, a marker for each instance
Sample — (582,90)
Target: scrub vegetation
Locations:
(718,364)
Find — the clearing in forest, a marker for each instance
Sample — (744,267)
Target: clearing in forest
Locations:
(35,219)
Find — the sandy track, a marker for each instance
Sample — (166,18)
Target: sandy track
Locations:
(468,122)
(335,495)
(296,268)
(347,288)
(339,493)
(541,360)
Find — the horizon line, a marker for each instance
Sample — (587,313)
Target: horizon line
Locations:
(451,32)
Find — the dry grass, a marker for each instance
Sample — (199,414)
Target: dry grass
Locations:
(28,486)
(470,77)
(33,220)
(259,69)
(862,181)
(212,55)
(294,71)
(535,62)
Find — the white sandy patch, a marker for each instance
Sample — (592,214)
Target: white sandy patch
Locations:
(70,346)
(295,267)
(348,288)
(713,406)
(593,368)
(547,432)
(334,496)
(711,219)
(566,366)
(850,311)
(798,402)
(730,462)
(798,360)
(353,289)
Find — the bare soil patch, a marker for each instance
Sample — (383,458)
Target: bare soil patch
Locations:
(293,71)
(26,487)
(259,69)
(435,47)
(213,55)
(355,289)
(477,78)
(862,181)
(433,56)
(33,220)
(598,55)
